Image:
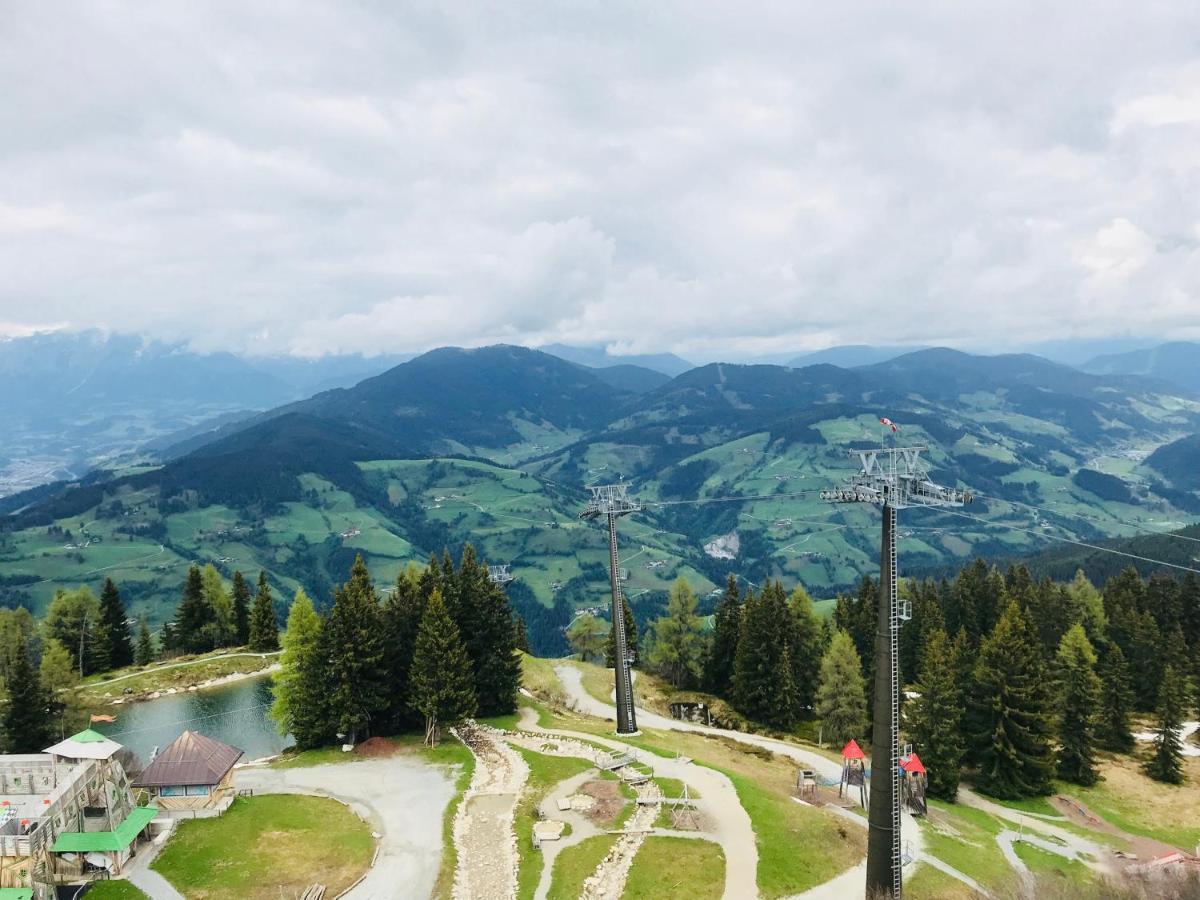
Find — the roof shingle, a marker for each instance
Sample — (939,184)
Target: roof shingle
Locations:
(191,758)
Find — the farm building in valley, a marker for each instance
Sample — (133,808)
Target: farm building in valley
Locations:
(66,813)
(193,775)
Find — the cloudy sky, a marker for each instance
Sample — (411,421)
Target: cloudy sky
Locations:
(315,177)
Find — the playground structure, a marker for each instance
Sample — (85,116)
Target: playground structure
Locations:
(913,783)
(854,773)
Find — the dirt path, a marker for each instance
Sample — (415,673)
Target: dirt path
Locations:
(728,821)
(608,881)
(403,800)
(483,826)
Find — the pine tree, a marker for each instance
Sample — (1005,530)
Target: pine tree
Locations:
(1173,701)
(353,646)
(144,652)
(727,619)
(806,647)
(484,620)
(401,619)
(59,677)
(193,621)
(934,716)
(521,633)
(631,637)
(264,627)
(73,619)
(440,684)
(301,706)
(678,644)
(241,609)
(1079,699)
(842,698)
(27,720)
(118,649)
(763,686)
(1009,712)
(1116,702)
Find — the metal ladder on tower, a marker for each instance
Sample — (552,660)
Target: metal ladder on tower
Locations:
(894,737)
(623,678)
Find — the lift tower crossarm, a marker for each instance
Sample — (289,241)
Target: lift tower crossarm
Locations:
(892,478)
(611,501)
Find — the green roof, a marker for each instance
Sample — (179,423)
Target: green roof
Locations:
(87,736)
(104,841)
(16,893)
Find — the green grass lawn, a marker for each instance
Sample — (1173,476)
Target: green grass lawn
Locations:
(966,839)
(574,864)
(267,846)
(544,773)
(1043,862)
(115,890)
(178,673)
(670,868)
(930,884)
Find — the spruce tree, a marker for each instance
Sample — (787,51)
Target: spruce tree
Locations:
(934,716)
(727,618)
(678,644)
(144,651)
(1009,712)
(842,698)
(401,619)
(1078,702)
(118,649)
(763,686)
(354,648)
(193,622)
(806,647)
(1173,701)
(484,620)
(631,637)
(241,609)
(521,633)
(222,629)
(440,684)
(1116,702)
(264,626)
(301,707)
(27,720)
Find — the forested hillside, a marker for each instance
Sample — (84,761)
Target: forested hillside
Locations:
(497,447)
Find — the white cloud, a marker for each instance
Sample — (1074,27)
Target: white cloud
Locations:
(319,176)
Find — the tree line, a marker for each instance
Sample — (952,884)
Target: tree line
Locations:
(439,648)
(1015,680)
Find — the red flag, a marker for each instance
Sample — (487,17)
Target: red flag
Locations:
(888,422)
(99,718)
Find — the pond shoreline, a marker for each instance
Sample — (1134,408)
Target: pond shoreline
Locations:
(220,681)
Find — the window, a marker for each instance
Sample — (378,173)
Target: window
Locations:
(198,790)
(173,790)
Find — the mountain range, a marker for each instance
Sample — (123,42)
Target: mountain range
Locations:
(498,445)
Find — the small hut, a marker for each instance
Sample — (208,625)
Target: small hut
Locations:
(913,781)
(193,775)
(854,772)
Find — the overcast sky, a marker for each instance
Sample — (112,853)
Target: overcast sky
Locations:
(317,177)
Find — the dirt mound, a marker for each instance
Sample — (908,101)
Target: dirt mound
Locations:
(609,801)
(375,747)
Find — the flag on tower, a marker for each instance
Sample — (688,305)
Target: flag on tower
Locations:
(889,423)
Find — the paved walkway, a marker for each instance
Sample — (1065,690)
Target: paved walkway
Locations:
(153,885)
(402,798)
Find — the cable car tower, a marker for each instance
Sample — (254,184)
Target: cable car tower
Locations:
(612,501)
(892,478)
(500,574)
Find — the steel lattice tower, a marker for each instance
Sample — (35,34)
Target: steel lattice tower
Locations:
(892,478)
(612,502)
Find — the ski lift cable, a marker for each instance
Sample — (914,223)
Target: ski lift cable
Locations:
(1066,540)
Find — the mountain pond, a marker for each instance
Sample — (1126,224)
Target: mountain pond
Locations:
(233,713)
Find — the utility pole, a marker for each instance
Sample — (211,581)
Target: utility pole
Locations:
(612,502)
(892,478)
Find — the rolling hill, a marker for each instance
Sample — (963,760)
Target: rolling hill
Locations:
(1177,362)
(497,446)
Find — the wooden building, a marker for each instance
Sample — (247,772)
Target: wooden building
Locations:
(194,775)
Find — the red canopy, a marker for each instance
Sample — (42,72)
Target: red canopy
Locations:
(852,750)
(912,765)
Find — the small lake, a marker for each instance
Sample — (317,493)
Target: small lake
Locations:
(234,713)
